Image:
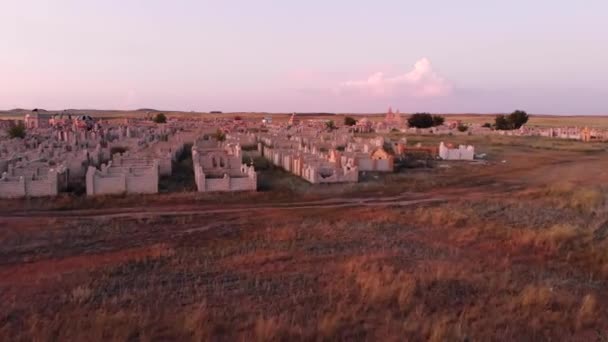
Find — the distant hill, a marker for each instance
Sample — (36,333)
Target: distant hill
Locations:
(19,110)
(313,114)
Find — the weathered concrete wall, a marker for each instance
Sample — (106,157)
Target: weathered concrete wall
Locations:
(460,153)
(28,186)
(105,185)
(365,164)
(142,184)
(41,188)
(118,180)
(12,188)
(247,182)
(217,184)
(384,165)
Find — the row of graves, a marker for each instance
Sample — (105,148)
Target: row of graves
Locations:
(57,156)
(131,155)
(327,158)
(585,134)
(47,161)
(139,162)
(394,121)
(318,156)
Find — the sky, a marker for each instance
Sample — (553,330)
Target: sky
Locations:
(466,56)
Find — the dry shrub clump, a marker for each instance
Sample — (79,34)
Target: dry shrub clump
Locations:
(443,215)
(533,295)
(382,284)
(81,294)
(556,238)
(587,313)
(270,329)
(571,196)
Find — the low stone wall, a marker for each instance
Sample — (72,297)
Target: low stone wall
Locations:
(118,180)
(248,182)
(165,163)
(22,186)
(321,175)
(312,168)
(12,188)
(460,153)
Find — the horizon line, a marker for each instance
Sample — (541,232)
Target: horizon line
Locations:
(8,111)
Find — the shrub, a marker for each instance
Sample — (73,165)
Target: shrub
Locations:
(160,118)
(557,236)
(330,125)
(438,120)
(220,135)
(16,131)
(518,118)
(462,128)
(587,313)
(348,121)
(118,149)
(502,123)
(487,125)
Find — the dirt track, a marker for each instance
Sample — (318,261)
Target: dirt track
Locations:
(172,210)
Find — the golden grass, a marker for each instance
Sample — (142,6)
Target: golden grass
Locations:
(555,238)
(442,216)
(587,313)
(382,284)
(570,195)
(534,295)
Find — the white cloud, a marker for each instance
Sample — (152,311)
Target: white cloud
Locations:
(421,81)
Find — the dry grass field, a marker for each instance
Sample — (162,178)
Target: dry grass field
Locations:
(514,248)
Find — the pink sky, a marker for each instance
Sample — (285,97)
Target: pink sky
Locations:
(339,56)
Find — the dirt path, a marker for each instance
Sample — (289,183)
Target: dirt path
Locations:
(193,209)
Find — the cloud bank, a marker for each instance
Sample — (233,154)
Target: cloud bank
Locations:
(421,81)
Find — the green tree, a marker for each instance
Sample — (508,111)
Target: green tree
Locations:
(420,120)
(518,118)
(501,122)
(330,125)
(512,121)
(16,130)
(438,120)
(349,121)
(160,118)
